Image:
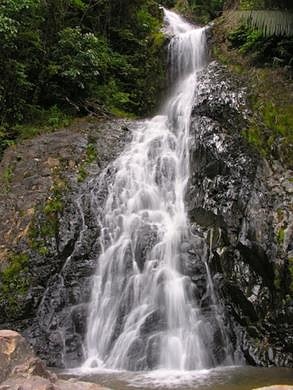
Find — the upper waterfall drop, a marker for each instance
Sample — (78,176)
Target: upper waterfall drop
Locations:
(143,314)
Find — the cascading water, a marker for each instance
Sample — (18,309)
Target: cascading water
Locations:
(143,314)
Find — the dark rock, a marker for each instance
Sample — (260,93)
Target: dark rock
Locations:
(62,251)
(232,203)
(145,241)
(153,352)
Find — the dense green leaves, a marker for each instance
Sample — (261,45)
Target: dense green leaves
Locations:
(76,54)
(273,50)
(268,22)
(202,11)
(207,9)
(265,4)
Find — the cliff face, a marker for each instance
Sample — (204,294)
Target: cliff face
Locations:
(45,244)
(239,208)
(242,205)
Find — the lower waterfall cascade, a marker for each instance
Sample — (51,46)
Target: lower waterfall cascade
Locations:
(145,312)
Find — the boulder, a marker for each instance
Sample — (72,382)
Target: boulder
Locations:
(31,383)
(21,370)
(34,367)
(14,350)
(275,387)
(39,383)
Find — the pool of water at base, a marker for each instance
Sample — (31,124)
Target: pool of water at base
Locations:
(222,378)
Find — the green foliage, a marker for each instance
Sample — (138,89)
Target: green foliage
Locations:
(39,121)
(90,157)
(80,61)
(55,118)
(14,284)
(79,4)
(17,264)
(7,177)
(91,153)
(111,96)
(21,50)
(265,4)
(146,21)
(203,11)
(281,236)
(42,121)
(54,205)
(82,173)
(73,56)
(290,266)
(45,228)
(273,51)
(257,59)
(268,22)
(52,209)
(273,137)
(246,5)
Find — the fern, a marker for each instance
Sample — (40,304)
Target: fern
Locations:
(269,22)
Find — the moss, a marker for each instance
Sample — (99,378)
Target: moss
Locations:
(122,114)
(43,121)
(281,236)
(275,131)
(43,250)
(82,173)
(158,39)
(15,281)
(280,215)
(220,55)
(271,123)
(290,267)
(271,126)
(40,233)
(90,157)
(7,178)
(279,276)
(91,153)
(53,205)
(254,135)
(46,227)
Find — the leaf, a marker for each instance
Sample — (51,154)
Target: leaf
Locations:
(269,22)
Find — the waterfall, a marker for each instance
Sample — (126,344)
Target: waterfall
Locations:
(143,314)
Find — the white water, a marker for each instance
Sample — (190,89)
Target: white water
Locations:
(142,315)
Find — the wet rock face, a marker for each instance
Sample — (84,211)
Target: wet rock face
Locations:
(230,199)
(58,245)
(239,210)
(58,330)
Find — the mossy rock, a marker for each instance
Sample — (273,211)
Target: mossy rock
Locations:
(14,285)
(270,126)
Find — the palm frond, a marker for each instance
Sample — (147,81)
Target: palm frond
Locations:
(269,22)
